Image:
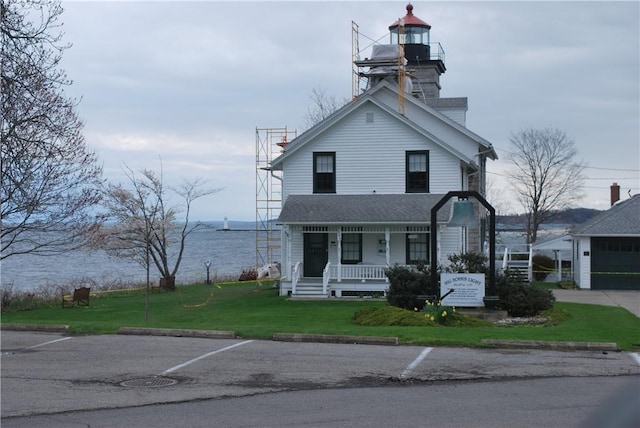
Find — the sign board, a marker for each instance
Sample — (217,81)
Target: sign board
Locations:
(468,289)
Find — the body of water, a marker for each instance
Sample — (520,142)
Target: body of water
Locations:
(229,252)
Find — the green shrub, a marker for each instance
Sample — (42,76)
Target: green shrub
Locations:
(407,283)
(467,262)
(542,266)
(522,299)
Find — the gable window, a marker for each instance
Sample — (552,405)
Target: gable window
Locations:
(417,171)
(351,248)
(324,172)
(417,248)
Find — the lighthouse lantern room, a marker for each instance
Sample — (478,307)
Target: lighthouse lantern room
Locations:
(414,36)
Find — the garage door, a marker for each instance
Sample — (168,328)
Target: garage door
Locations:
(615,263)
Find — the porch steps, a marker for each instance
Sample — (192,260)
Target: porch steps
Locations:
(518,270)
(309,290)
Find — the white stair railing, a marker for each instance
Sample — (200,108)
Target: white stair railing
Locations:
(505,259)
(295,277)
(326,273)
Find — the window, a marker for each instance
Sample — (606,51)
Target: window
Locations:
(324,175)
(417,248)
(351,248)
(417,167)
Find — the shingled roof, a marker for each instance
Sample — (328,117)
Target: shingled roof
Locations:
(370,208)
(622,219)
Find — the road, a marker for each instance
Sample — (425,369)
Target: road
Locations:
(58,381)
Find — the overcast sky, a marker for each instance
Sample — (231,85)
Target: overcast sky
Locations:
(189,82)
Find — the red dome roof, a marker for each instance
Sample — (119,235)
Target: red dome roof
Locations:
(410,20)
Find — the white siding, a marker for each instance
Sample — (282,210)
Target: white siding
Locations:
(457,115)
(434,125)
(370,252)
(297,246)
(371,157)
(450,242)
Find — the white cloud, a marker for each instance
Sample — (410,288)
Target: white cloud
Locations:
(188,82)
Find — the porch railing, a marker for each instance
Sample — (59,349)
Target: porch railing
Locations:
(362,272)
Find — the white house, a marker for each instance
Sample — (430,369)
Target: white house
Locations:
(358,187)
(606,249)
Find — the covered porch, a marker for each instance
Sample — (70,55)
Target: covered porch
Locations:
(341,245)
(350,261)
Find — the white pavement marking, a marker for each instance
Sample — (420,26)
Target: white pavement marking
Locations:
(48,343)
(179,366)
(635,356)
(415,363)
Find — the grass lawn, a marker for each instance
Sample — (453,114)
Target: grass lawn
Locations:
(256,311)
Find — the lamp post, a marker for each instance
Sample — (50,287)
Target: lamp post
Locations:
(490,300)
(207,264)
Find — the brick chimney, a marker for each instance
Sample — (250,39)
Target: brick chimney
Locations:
(615,193)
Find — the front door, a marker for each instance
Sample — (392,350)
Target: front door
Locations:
(316,251)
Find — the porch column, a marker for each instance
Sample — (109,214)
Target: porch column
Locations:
(339,249)
(559,263)
(387,239)
(287,250)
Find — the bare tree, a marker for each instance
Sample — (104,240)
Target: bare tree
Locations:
(50,180)
(545,175)
(497,198)
(146,225)
(323,106)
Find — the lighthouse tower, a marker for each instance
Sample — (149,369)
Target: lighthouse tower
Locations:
(414,61)
(425,61)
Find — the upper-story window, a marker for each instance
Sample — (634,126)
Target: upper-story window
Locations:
(417,171)
(324,172)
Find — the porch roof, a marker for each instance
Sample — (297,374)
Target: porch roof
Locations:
(357,209)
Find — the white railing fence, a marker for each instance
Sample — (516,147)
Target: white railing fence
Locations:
(365,272)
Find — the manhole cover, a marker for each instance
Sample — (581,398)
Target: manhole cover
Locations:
(149,382)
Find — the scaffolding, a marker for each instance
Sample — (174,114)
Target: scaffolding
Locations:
(356,76)
(270,143)
(358,73)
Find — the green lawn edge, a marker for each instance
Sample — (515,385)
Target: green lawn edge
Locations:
(254,310)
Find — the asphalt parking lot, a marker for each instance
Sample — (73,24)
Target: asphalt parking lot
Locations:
(50,373)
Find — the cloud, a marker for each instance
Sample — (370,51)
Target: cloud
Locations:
(188,82)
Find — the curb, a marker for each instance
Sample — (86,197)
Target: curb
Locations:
(35,327)
(323,338)
(558,346)
(210,334)
(330,338)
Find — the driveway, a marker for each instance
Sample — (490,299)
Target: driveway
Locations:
(630,300)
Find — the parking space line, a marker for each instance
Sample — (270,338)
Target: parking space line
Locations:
(635,356)
(179,366)
(48,343)
(415,363)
